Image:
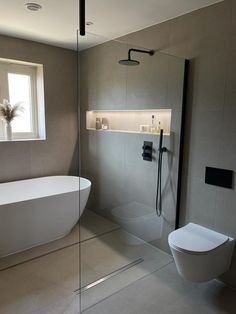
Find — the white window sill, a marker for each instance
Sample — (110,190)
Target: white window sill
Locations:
(23,140)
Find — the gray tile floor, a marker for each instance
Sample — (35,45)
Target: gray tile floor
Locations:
(91,226)
(46,285)
(110,252)
(165,292)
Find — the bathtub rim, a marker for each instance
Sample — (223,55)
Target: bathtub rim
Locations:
(81,188)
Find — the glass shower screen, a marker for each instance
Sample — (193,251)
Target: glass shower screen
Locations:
(122,109)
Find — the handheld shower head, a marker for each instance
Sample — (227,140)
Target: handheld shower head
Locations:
(161,150)
(132,62)
(161,140)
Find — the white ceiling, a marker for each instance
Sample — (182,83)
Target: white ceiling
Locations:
(57,22)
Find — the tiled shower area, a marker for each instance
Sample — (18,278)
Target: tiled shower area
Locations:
(48,279)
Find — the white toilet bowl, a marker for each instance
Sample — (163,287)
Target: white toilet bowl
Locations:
(200,254)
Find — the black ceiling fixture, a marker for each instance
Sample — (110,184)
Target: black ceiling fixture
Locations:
(82,17)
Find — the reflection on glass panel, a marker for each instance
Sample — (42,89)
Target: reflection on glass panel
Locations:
(123,108)
(20,91)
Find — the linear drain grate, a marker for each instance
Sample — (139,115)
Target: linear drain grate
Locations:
(114,273)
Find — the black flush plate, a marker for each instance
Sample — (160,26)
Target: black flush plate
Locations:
(147,151)
(219,177)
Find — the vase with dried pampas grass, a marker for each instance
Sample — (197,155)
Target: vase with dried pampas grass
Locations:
(8,113)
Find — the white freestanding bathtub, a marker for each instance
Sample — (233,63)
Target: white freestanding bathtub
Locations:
(37,211)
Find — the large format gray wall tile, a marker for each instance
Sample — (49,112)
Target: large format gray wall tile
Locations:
(147,84)
(113,161)
(110,82)
(155,37)
(208,38)
(58,154)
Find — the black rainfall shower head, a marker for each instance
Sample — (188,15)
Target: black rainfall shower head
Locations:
(130,61)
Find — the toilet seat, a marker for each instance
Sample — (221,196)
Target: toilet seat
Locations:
(200,254)
(195,239)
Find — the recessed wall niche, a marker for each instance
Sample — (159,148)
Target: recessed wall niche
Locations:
(135,121)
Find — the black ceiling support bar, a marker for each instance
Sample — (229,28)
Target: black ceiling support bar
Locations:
(82,17)
(150,52)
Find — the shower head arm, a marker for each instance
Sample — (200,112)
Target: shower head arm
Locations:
(150,52)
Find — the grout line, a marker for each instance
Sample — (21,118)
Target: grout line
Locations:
(57,250)
(100,235)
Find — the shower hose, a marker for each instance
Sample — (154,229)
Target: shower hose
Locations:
(159,178)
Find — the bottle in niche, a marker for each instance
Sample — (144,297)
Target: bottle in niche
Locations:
(105,124)
(98,124)
(153,127)
(159,127)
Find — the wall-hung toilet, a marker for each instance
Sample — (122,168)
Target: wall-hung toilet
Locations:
(200,254)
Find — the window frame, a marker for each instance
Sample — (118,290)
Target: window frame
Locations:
(36,93)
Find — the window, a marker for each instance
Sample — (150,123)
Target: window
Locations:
(22,83)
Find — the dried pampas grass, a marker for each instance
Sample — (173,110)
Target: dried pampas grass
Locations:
(8,112)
